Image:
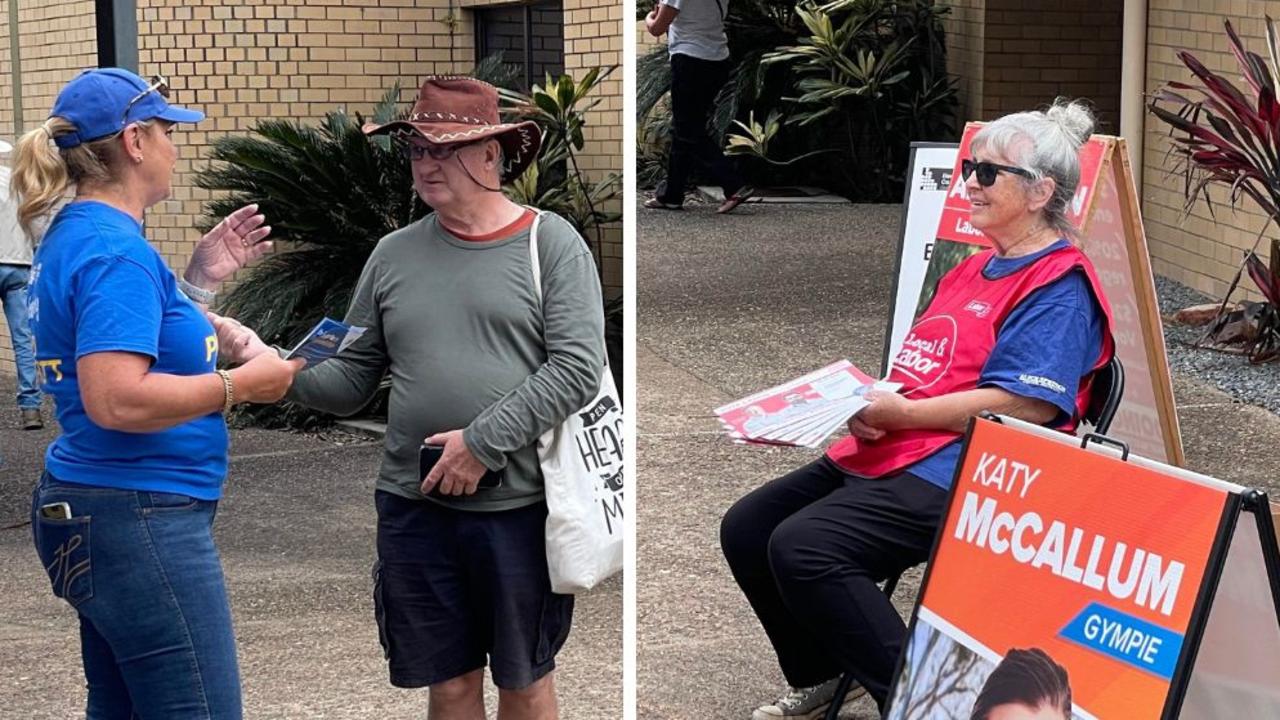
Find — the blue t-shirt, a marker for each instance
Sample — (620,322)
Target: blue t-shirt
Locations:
(1047,344)
(98,286)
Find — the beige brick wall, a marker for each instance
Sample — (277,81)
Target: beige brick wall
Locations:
(239,61)
(965,29)
(593,38)
(1060,48)
(1011,55)
(1200,251)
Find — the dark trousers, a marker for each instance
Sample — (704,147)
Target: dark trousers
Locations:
(694,86)
(808,549)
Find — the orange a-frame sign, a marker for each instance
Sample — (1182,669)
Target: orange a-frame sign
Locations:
(1142,583)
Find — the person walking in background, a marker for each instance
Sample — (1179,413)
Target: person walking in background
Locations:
(699,68)
(15,270)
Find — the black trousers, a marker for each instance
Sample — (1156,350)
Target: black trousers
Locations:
(694,85)
(808,549)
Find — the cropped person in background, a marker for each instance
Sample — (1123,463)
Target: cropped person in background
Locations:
(15,270)
(699,53)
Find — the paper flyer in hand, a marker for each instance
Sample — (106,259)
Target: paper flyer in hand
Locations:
(803,412)
(328,338)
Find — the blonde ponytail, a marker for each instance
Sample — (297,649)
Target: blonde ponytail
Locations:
(39,176)
(42,173)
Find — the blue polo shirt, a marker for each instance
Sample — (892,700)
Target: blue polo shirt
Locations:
(98,286)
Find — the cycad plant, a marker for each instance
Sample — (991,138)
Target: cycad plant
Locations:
(329,193)
(1223,135)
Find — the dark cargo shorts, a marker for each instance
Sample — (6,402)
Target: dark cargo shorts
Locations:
(454,590)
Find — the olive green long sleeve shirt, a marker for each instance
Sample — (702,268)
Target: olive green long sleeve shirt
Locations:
(459,326)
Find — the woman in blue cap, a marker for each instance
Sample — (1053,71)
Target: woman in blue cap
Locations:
(123,515)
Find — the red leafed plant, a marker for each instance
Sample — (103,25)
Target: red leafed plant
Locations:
(1225,136)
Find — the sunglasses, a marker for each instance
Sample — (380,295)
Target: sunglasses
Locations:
(414,151)
(158,85)
(987,171)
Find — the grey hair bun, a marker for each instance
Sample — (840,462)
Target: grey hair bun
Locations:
(1074,117)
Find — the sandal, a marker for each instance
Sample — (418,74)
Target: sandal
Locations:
(734,200)
(655,203)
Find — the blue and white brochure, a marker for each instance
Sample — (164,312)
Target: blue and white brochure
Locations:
(328,338)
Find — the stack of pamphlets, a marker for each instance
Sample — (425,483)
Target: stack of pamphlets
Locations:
(328,338)
(803,412)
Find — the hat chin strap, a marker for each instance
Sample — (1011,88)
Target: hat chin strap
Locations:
(467,170)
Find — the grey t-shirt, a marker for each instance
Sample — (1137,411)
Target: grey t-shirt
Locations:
(698,30)
(458,325)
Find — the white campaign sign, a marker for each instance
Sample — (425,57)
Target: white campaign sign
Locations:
(930,176)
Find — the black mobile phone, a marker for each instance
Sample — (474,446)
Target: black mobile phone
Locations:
(429,455)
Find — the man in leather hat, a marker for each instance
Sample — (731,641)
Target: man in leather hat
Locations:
(482,365)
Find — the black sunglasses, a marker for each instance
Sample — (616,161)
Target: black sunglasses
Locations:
(158,85)
(987,171)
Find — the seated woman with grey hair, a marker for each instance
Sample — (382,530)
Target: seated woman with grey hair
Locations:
(1018,329)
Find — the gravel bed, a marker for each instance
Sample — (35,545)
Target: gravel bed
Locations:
(1233,374)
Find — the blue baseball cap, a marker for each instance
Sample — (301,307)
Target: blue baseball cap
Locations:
(97,99)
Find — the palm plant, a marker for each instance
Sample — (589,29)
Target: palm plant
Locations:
(1232,139)
(753,27)
(331,193)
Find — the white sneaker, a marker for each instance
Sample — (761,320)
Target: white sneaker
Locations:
(806,703)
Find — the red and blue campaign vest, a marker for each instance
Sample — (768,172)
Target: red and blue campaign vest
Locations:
(946,349)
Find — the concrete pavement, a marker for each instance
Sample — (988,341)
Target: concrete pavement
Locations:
(296,533)
(727,305)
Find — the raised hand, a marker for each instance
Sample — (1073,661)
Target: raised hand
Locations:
(233,243)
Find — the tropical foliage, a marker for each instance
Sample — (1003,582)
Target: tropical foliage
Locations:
(844,87)
(556,182)
(1229,137)
(330,193)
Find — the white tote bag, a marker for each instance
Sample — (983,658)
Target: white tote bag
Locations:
(581,462)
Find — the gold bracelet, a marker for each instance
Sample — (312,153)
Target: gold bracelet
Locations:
(228,391)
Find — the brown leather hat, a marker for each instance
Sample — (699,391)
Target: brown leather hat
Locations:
(457,109)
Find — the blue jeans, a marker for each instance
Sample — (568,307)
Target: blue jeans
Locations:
(142,571)
(13,294)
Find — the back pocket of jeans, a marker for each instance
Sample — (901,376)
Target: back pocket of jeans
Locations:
(63,546)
